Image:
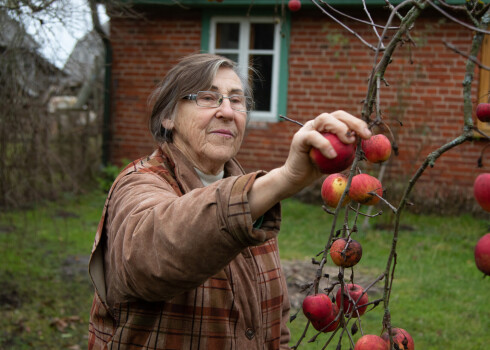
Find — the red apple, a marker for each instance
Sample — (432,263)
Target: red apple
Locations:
(320,325)
(317,307)
(350,256)
(481,190)
(400,337)
(346,153)
(360,187)
(332,189)
(294,5)
(371,342)
(377,148)
(483,112)
(355,291)
(482,254)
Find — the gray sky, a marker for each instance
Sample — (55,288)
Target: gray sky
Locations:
(61,29)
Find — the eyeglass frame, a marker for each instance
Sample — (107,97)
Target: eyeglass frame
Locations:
(248,100)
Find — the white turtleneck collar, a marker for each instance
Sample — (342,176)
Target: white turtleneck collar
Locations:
(209,179)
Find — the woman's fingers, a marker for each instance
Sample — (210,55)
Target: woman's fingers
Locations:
(317,140)
(343,124)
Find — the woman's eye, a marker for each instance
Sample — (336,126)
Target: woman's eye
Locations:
(208,97)
(236,99)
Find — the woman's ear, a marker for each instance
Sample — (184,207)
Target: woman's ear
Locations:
(168,124)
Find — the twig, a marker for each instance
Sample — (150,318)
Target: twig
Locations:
(290,120)
(354,18)
(368,215)
(454,19)
(344,26)
(471,58)
(372,23)
(481,132)
(302,336)
(384,200)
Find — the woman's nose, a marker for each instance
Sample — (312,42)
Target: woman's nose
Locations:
(225,109)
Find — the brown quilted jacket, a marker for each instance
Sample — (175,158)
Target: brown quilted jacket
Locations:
(176,265)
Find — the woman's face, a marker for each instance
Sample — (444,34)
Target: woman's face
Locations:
(209,137)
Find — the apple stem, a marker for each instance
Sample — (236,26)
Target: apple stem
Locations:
(384,200)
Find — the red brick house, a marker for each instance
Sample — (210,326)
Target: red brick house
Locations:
(310,65)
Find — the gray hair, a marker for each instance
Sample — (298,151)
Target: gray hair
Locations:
(191,74)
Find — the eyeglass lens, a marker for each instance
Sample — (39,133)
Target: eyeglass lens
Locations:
(214,99)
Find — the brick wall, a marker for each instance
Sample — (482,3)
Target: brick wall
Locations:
(143,50)
(328,70)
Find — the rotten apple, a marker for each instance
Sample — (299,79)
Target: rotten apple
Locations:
(345,257)
(401,338)
(332,189)
(328,324)
(317,307)
(483,112)
(361,186)
(357,298)
(377,148)
(481,190)
(371,342)
(482,254)
(346,153)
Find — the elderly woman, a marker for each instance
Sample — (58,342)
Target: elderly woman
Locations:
(186,255)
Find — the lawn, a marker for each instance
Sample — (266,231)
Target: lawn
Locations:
(438,295)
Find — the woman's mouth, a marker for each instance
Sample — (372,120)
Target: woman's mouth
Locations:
(223,132)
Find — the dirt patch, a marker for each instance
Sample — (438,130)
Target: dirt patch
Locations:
(300,272)
(10,296)
(75,267)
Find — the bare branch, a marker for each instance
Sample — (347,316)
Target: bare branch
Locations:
(290,120)
(471,58)
(372,22)
(454,19)
(356,19)
(344,26)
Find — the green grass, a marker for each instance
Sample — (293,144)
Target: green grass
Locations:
(46,296)
(438,294)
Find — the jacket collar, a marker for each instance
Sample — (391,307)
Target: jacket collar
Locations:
(184,168)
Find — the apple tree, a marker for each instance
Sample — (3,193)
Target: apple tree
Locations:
(342,313)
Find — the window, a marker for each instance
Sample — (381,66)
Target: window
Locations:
(255,42)
(484,87)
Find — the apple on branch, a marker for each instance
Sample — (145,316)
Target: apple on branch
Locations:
(328,324)
(401,338)
(346,153)
(294,5)
(356,298)
(361,186)
(481,190)
(483,112)
(371,342)
(482,254)
(377,148)
(332,189)
(317,307)
(348,258)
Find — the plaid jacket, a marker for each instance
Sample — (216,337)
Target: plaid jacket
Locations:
(176,265)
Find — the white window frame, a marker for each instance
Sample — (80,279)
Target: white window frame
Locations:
(244,52)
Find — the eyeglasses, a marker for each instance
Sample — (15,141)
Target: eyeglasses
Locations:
(212,99)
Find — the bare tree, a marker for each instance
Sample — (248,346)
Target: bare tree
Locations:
(44,151)
(391,35)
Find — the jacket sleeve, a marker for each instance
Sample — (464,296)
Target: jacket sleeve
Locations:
(160,245)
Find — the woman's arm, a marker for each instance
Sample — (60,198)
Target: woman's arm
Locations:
(299,171)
